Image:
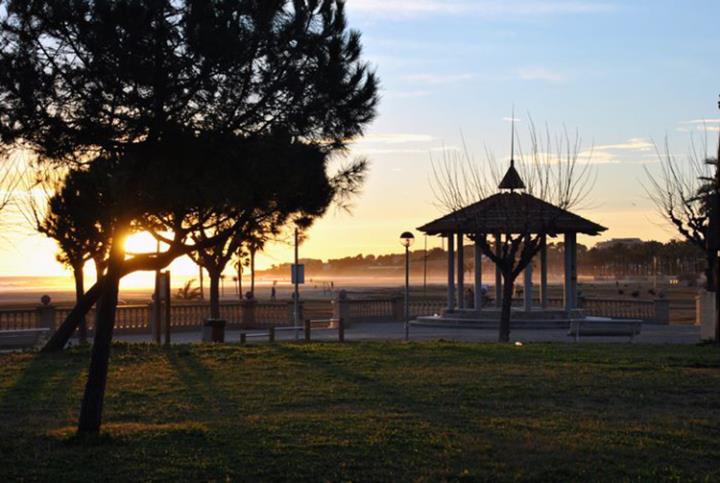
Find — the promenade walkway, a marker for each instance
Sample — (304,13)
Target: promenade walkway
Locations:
(651,334)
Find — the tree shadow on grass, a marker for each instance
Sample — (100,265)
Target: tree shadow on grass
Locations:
(208,398)
(399,400)
(44,393)
(454,432)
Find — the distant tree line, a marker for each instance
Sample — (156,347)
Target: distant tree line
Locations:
(676,258)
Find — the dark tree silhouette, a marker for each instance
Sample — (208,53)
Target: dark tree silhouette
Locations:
(312,193)
(178,101)
(75,217)
(188,291)
(239,262)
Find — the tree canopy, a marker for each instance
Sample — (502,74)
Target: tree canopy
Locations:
(196,112)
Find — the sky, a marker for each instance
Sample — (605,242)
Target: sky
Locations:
(626,76)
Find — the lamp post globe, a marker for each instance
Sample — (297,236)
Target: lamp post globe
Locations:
(407,239)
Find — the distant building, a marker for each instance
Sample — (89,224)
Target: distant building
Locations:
(613,242)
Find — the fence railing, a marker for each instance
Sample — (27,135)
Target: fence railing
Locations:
(646,310)
(427,307)
(18,319)
(256,314)
(371,309)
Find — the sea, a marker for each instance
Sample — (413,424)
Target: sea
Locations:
(138,288)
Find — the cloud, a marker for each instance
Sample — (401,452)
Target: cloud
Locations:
(540,74)
(702,121)
(395,138)
(633,144)
(598,157)
(437,79)
(493,8)
(706,125)
(379,151)
(398,143)
(632,150)
(406,94)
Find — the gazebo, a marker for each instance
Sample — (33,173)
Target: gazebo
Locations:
(510,211)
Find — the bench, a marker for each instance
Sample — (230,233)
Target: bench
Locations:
(488,324)
(22,338)
(602,327)
(305,329)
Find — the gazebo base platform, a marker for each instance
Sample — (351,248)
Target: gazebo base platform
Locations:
(490,318)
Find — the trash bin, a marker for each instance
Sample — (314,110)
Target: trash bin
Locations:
(213,330)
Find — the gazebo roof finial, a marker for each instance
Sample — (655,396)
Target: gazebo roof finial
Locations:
(512,180)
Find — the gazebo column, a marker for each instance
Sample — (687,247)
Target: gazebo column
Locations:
(570,271)
(451,272)
(478,273)
(543,273)
(528,288)
(498,275)
(460,271)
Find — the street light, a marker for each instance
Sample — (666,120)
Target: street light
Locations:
(406,240)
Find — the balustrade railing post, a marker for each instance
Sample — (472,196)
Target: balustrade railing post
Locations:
(341,308)
(398,309)
(307,330)
(301,310)
(149,316)
(341,330)
(248,307)
(662,311)
(46,314)
(271,334)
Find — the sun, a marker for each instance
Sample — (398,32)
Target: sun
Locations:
(142,242)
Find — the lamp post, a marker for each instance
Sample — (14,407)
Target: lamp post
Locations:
(406,240)
(425,257)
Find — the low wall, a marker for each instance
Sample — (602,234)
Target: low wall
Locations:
(136,319)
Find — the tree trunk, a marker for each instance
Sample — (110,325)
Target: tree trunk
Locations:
(92,404)
(214,294)
(62,335)
(79,292)
(202,284)
(710,284)
(99,268)
(505,311)
(239,275)
(252,273)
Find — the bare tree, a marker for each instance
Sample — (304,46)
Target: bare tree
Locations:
(681,192)
(555,174)
(686,192)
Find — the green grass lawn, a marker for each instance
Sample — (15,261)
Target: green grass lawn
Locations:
(369,412)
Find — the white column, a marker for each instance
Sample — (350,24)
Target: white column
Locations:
(573,272)
(570,256)
(543,273)
(498,275)
(478,274)
(460,271)
(528,289)
(451,272)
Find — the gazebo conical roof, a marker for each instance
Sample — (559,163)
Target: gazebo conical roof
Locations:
(512,180)
(510,212)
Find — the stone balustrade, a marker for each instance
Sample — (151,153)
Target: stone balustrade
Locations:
(249,314)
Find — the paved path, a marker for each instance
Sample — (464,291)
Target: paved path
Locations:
(650,334)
